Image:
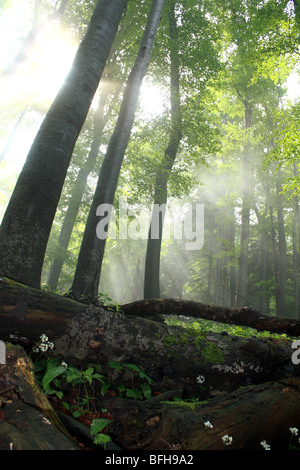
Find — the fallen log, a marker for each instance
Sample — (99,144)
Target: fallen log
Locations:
(204,364)
(250,415)
(27,419)
(244,316)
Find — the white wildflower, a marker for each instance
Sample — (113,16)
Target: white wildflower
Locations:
(200,379)
(46,420)
(43,347)
(265,445)
(294,431)
(208,424)
(227,440)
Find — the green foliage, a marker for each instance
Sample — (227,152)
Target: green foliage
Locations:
(97,426)
(208,326)
(141,392)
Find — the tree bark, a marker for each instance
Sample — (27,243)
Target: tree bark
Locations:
(88,269)
(172,356)
(100,120)
(28,218)
(242,279)
(249,415)
(165,422)
(152,263)
(282,259)
(244,316)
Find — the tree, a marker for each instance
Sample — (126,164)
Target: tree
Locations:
(153,253)
(27,222)
(88,269)
(100,120)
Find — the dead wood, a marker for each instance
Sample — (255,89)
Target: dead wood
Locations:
(244,316)
(249,416)
(173,357)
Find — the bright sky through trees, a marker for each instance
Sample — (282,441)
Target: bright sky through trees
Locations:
(41,76)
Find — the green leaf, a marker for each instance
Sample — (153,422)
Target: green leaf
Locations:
(73,374)
(102,439)
(146,391)
(99,424)
(78,413)
(51,375)
(133,393)
(98,377)
(104,388)
(115,365)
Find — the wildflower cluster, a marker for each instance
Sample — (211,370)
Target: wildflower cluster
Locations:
(200,379)
(265,445)
(293,431)
(227,440)
(43,345)
(208,424)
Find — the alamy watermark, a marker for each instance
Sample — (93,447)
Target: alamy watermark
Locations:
(185,222)
(296,354)
(2,353)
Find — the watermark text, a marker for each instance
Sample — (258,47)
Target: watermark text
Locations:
(184,222)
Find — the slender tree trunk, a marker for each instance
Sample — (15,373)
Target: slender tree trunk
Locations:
(100,121)
(87,275)
(272,241)
(242,279)
(282,262)
(219,267)
(296,250)
(152,263)
(28,219)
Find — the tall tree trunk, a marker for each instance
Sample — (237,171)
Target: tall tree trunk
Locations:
(282,262)
(28,219)
(217,300)
(152,263)
(100,121)
(242,279)
(87,275)
(273,242)
(296,249)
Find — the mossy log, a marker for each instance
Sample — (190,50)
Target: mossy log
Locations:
(250,415)
(173,357)
(27,419)
(243,316)
(247,387)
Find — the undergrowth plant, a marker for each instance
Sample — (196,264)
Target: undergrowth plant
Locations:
(55,377)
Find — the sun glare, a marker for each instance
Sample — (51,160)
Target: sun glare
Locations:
(52,61)
(151,99)
(43,73)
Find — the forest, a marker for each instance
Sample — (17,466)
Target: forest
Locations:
(149,212)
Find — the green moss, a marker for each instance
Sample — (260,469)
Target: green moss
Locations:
(13,283)
(191,405)
(169,341)
(212,353)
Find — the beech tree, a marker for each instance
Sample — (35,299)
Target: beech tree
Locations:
(28,218)
(88,269)
(153,253)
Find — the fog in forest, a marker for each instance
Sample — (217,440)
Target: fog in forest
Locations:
(236,115)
